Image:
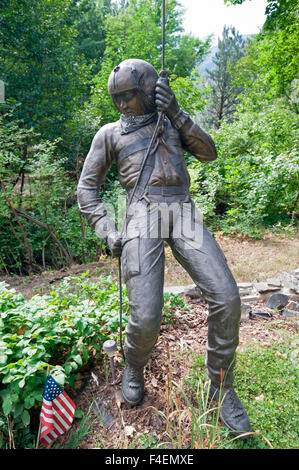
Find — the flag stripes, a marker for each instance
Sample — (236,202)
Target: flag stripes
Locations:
(57,412)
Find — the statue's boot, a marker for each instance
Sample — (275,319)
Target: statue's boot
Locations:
(133,384)
(232,412)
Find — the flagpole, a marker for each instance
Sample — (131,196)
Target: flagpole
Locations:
(40,424)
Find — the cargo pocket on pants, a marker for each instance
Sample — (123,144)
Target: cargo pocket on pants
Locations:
(131,261)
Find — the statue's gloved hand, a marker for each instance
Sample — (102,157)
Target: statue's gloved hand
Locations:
(115,243)
(105,227)
(165,99)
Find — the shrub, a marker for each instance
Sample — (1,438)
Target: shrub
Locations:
(65,329)
(254,182)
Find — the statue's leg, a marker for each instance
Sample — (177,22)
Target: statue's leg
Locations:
(208,268)
(143,266)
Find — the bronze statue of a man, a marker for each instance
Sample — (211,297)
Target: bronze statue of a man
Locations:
(139,95)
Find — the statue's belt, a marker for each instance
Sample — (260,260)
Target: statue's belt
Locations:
(181,193)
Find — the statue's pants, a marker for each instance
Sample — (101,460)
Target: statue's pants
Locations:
(143,262)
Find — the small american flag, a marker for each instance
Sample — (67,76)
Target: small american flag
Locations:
(57,412)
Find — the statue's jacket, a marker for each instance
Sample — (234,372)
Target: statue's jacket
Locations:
(128,150)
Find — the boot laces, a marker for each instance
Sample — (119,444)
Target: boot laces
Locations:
(135,376)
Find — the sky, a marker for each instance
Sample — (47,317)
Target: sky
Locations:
(203,17)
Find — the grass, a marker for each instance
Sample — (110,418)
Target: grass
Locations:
(190,423)
(266,380)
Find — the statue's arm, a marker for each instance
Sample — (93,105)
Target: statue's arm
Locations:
(194,140)
(96,165)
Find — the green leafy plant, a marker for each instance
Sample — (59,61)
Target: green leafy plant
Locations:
(171,303)
(64,329)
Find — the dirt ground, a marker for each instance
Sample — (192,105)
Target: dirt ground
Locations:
(117,424)
(247,259)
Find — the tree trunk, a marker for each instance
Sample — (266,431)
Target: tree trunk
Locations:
(53,236)
(14,212)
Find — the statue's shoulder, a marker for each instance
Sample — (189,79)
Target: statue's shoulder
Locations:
(107,131)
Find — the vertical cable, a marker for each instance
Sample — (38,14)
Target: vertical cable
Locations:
(120,309)
(163,34)
(160,120)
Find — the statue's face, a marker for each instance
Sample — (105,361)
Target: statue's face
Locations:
(130,103)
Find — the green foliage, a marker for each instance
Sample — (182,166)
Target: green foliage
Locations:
(65,329)
(144,441)
(254,182)
(39,63)
(189,92)
(190,420)
(89,19)
(76,437)
(269,69)
(268,378)
(38,207)
(171,303)
(53,53)
(279,12)
(48,53)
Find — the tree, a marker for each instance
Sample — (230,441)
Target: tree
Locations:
(269,70)
(223,93)
(89,20)
(39,63)
(39,219)
(279,12)
(254,182)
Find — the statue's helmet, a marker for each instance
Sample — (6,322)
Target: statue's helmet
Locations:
(133,74)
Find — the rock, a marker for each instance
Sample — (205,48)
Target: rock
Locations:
(290,281)
(245,292)
(274,282)
(287,313)
(263,287)
(177,290)
(245,312)
(293,306)
(244,285)
(193,293)
(103,411)
(296,273)
(245,288)
(258,313)
(250,298)
(277,301)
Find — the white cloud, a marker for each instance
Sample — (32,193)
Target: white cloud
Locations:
(203,17)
